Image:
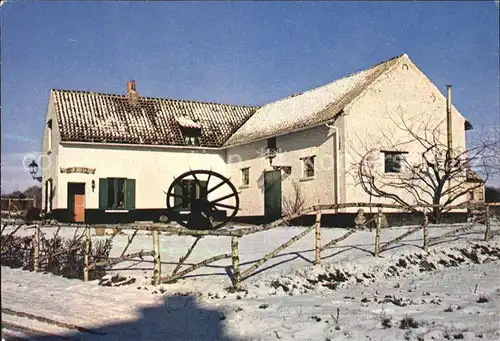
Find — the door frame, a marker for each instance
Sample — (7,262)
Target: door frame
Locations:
(74,188)
(275,175)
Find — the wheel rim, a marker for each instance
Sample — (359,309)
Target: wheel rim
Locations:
(202,207)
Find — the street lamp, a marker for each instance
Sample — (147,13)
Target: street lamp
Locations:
(33,167)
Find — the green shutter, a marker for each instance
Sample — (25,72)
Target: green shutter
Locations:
(203,188)
(178,195)
(103,194)
(130,194)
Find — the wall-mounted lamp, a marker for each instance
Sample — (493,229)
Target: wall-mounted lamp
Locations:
(33,168)
(270,154)
(92,185)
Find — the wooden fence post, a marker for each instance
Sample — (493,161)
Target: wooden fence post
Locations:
(487,224)
(36,248)
(86,254)
(236,262)
(426,231)
(317,244)
(156,257)
(377,231)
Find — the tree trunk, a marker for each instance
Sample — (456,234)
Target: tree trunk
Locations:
(436,215)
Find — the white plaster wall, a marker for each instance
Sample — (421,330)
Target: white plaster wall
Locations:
(320,189)
(404,90)
(153,169)
(49,159)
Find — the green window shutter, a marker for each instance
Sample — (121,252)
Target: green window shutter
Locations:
(103,194)
(203,188)
(178,195)
(130,194)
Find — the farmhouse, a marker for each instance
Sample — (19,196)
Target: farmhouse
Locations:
(112,157)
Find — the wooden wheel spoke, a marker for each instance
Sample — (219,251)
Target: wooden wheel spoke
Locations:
(223,198)
(196,179)
(208,179)
(216,187)
(225,206)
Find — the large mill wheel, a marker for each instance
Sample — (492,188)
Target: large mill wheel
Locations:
(194,200)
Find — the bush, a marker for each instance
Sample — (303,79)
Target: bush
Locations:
(62,257)
(408,322)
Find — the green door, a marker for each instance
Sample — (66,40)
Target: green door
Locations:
(272,195)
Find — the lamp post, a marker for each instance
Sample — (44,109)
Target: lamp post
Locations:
(33,168)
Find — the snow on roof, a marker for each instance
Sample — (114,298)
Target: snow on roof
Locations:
(186,122)
(97,117)
(312,107)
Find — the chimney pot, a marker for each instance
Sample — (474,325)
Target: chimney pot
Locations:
(133,96)
(131,86)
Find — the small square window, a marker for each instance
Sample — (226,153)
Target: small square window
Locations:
(245,176)
(308,166)
(393,162)
(271,142)
(480,196)
(191,136)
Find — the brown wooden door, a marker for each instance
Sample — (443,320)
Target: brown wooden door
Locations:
(76,201)
(79,208)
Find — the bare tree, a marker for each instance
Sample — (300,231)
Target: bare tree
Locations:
(295,202)
(435,175)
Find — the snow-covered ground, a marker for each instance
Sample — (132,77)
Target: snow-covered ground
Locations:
(451,293)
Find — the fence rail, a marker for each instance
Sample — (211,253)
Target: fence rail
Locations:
(239,274)
(15,206)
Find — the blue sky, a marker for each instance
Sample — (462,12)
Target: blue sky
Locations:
(231,52)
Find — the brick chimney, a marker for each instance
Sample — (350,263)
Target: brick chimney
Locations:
(132,94)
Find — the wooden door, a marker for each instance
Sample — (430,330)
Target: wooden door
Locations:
(76,201)
(79,208)
(272,195)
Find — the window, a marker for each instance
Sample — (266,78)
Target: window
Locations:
(48,195)
(116,194)
(245,177)
(187,191)
(480,196)
(393,162)
(308,166)
(190,129)
(49,136)
(191,136)
(271,143)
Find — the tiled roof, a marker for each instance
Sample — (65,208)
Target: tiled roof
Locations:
(97,117)
(312,107)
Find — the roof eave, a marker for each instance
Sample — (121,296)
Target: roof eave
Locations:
(137,145)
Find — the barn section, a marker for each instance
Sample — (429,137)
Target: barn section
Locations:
(111,157)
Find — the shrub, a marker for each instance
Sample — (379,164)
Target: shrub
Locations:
(62,257)
(408,322)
